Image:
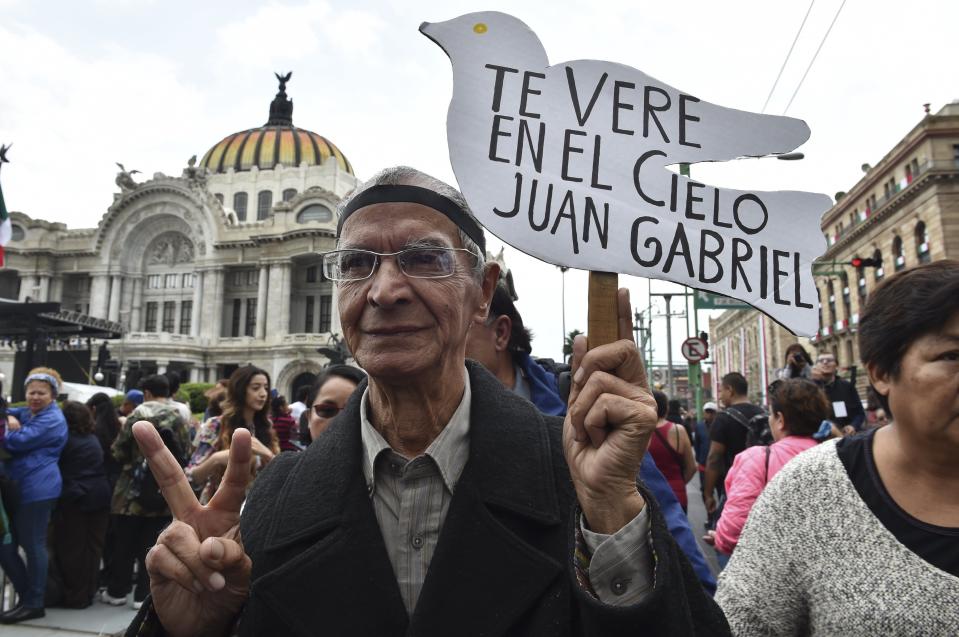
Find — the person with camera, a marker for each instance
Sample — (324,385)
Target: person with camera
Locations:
(798,363)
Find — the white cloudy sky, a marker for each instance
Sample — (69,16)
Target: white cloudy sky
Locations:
(85,84)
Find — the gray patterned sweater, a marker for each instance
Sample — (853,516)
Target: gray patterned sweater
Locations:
(814,560)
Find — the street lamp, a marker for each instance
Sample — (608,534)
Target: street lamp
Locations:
(98,377)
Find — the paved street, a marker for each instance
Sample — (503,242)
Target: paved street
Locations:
(98,619)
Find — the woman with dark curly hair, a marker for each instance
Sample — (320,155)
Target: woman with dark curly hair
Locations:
(798,407)
(860,536)
(247,406)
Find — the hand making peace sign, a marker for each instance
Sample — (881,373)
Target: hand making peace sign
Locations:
(199,572)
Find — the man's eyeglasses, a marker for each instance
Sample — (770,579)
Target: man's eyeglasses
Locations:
(825,360)
(326,410)
(418,263)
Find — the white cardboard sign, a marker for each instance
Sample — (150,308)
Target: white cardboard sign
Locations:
(568,163)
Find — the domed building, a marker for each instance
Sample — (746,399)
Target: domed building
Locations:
(207,271)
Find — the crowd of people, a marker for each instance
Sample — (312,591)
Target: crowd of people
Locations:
(450,482)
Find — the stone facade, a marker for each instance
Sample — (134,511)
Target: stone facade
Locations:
(904,211)
(751,343)
(197,290)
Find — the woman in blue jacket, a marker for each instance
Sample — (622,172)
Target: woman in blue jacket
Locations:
(35,436)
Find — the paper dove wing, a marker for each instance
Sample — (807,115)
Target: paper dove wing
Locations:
(568,163)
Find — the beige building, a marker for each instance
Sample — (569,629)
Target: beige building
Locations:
(215,268)
(903,212)
(751,343)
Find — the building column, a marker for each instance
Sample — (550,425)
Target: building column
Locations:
(136,306)
(56,290)
(116,289)
(216,319)
(44,283)
(261,301)
(285,296)
(99,295)
(197,316)
(277,301)
(27,284)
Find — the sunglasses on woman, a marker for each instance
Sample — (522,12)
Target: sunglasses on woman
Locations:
(326,410)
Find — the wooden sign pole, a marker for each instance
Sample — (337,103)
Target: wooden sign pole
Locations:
(603,318)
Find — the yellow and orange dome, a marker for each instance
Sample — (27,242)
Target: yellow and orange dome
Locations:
(268,146)
(278,142)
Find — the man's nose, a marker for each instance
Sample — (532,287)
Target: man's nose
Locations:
(390,285)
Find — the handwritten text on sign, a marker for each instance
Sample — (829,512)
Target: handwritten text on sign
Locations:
(569,163)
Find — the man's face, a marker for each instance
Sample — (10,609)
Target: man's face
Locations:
(398,326)
(127,408)
(827,365)
(708,416)
(725,394)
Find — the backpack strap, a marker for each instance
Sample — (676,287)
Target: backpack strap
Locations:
(737,415)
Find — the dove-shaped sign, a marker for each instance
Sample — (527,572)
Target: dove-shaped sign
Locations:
(568,163)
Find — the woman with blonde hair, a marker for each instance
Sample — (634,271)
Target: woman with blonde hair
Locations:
(35,436)
(246,406)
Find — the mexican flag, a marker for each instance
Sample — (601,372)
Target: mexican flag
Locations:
(6,229)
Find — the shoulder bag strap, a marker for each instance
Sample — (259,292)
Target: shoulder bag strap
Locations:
(766,479)
(675,454)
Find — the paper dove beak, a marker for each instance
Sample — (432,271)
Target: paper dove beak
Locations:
(423,27)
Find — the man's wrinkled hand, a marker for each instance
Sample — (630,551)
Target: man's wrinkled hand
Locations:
(610,419)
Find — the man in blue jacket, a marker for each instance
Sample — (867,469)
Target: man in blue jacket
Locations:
(503,345)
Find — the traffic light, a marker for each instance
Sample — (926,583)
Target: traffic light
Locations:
(860,262)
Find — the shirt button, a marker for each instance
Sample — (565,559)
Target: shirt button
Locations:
(417,542)
(619,586)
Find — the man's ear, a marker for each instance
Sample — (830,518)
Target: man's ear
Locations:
(879,380)
(488,286)
(503,327)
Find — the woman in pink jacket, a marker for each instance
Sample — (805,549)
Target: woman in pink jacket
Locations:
(798,408)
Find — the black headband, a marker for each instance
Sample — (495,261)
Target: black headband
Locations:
(422,196)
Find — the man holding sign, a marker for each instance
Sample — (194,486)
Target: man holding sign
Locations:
(438,502)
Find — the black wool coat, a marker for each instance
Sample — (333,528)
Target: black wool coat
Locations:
(504,562)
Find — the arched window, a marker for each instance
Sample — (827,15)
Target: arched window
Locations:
(264,202)
(898,258)
(314,212)
(878,272)
(289,193)
(17,233)
(219,197)
(239,205)
(922,243)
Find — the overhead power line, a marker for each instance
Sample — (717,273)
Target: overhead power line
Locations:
(791,47)
(815,55)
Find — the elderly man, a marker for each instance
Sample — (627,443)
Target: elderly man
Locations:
(438,502)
